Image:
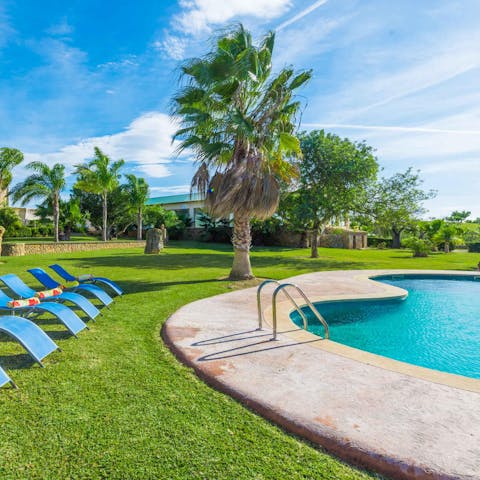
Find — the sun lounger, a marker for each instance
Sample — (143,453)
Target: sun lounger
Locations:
(4,378)
(65,315)
(59,270)
(35,341)
(16,285)
(47,281)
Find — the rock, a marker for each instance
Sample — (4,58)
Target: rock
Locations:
(154,241)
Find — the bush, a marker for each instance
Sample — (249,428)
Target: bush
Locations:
(375,241)
(474,247)
(419,246)
(19,232)
(264,232)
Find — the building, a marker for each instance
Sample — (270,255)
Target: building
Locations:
(183,205)
(26,214)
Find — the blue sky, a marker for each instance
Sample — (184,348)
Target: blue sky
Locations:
(404,76)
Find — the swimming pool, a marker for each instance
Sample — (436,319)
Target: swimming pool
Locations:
(437,326)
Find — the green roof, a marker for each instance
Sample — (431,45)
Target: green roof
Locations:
(183,198)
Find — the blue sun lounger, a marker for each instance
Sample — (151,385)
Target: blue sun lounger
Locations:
(35,341)
(4,378)
(65,315)
(46,280)
(16,285)
(59,270)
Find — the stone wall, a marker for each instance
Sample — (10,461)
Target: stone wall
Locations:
(18,249)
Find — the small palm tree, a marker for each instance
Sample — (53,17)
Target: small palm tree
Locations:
(100,176)
(239,120)
(46,183)
(9,158)
(137,192)
(448,235)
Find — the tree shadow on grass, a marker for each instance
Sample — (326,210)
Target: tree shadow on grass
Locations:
(185,261)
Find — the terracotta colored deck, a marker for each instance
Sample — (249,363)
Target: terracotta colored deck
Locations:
(403,421)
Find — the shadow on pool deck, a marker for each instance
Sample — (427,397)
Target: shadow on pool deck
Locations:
(236,351)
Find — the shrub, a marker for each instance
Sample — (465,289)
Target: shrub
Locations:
(419,246)
(375,241)
(264,232)
(474,247)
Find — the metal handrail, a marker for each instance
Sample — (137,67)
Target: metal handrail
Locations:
(259,304)
(259,300)
(280,288)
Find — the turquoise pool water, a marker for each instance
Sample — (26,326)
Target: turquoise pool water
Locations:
(437,326)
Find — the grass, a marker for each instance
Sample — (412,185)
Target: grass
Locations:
(116,404)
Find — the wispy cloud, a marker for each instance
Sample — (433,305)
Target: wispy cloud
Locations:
(301,14)
(61,28)
(390,128)
(172,45)
(6,29)
(175,189)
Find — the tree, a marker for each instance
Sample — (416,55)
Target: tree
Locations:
(100,176)
(137,192)
(118,209)
(239,120)
(447,235)
(9,158)
(156,216)
(458,217)
(71,217)
(45,183)
(397,201)
(9,220)
(334,175)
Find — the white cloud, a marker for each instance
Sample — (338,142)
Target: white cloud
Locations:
(146,143)
(172,45)
(199,15)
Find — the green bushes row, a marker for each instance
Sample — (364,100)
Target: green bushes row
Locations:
(27,232)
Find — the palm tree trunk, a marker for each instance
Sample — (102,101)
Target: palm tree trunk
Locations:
(56,217)
(139,224)
(241,240)
(104,215)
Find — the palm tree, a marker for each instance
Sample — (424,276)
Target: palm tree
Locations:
(239,120)
(100,176)
(9,158)
(448,234)
(46,183)
(137,191)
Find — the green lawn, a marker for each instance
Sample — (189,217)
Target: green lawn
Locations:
(116,403)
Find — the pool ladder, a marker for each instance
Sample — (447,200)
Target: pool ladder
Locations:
(282,287)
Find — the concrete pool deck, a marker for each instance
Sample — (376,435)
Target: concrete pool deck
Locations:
(399,420)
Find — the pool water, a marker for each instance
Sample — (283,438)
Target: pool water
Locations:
(437,326)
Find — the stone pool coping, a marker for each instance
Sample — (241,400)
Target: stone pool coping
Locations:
(375,415)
